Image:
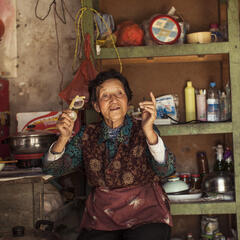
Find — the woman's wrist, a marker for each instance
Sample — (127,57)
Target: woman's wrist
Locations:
(151,136)
(59,146)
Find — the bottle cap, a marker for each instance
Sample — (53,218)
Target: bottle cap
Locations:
(195,175)
(185,175)
(189,83)
(213,25)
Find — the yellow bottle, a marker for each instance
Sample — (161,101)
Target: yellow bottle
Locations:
(190,102)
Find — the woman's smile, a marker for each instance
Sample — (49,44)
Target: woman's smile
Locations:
(114,108)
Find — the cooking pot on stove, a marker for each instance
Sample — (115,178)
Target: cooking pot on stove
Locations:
(31,142)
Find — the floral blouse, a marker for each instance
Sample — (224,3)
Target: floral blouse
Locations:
(125,178)
(73,156)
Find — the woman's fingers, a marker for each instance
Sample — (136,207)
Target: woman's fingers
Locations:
(150,109)
(153,98)
(149,113)
(148,103)
(65,123)
(65,117)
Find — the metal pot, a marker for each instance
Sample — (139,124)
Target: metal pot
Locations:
(221,182)
(32,141)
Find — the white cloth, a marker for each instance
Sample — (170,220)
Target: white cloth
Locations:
(52,157)
(157,150)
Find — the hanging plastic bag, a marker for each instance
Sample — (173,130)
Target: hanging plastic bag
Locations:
(85,73)
(8,39)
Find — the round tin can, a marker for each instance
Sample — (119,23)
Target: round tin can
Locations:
(164,29)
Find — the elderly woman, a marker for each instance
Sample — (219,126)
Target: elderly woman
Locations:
(124,161)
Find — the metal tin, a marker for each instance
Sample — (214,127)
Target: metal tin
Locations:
(164,29)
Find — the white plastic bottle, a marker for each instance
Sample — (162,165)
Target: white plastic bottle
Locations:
(201,105)
(213,106)
(190,106)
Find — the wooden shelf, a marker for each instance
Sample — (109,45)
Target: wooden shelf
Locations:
(166,50)
(203,208)
(194,129)
(171,59)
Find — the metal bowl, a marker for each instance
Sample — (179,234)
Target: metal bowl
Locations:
(221,182)
(31,142)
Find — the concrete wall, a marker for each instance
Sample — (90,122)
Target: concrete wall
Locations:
(38,83)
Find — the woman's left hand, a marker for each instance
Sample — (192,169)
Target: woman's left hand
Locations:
(149,113)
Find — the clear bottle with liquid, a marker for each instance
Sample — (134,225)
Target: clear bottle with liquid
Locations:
(223,107)
(228,97)
(219,165)
(190,106)
(213,106)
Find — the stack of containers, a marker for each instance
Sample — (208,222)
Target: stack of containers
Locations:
(4,119)
(211,105)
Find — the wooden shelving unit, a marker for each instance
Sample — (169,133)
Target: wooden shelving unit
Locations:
(226,52)
(196,128)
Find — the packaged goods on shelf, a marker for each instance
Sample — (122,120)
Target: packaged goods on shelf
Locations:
(167,106)
(213,106)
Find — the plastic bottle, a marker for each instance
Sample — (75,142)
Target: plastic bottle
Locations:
(228,97)
(201,105)
(190,102)
(223,107)
(213,106)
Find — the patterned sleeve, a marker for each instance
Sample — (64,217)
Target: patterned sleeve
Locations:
(71,159)
(168,167)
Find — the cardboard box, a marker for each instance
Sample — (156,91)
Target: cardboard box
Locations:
(40,121)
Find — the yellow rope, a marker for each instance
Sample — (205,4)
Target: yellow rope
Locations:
(78,39)
(79,25)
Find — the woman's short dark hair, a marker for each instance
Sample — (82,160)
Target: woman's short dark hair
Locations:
(102,77)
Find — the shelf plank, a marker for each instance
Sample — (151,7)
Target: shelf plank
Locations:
(168,59)
(203,208)
(194,129)
(166,50)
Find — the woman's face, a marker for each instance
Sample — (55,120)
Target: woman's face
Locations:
(112,102)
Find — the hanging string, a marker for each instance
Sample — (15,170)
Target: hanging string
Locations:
(58,58)
(68,11)
(79,27)
(62,19)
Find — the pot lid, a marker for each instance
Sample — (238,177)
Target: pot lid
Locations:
(164,29)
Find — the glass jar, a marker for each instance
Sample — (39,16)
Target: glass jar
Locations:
(190,236)
(186,177)
(195,182)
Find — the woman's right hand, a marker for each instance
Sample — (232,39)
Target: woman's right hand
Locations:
(65,124)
